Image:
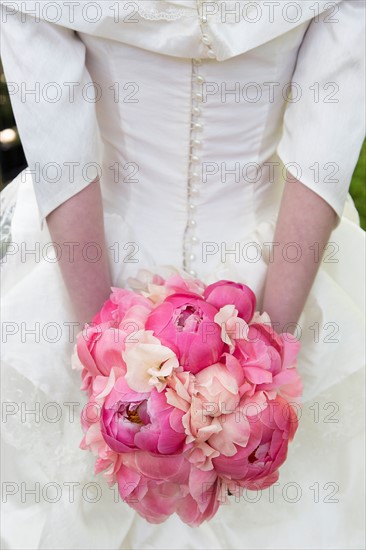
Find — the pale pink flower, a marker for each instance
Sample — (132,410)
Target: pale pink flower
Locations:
(158,291)
(148,362)
(232,326)
(180,389)
(218,388)
(262,318)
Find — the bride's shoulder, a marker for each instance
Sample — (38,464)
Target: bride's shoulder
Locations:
(218,29)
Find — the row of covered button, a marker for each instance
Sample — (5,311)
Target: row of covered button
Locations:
(204,34)
(194,177)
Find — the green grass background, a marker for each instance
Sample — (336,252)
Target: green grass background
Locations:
(358,186)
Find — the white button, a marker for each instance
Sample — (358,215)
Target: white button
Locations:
(192,207)
(193,273)
(197,142)
(192,223)
(197,126)
(195,192)
(196,111)
(192,257)
(200,78)
(204,19)
(206,39)
(195,159)
(211,54)
(195,176)
(198,96)
(194,239)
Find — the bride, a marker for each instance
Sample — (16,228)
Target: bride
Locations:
(218,138)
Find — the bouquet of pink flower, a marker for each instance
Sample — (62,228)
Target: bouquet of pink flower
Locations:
(192,395)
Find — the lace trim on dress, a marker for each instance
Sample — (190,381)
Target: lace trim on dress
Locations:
(158,10)
(218,11)
(8,199)
(44,427)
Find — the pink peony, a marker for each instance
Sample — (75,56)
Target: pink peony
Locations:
(156,288)
(153,485)
(265,450)
(185,323)
(232,327)
(100,345)
(176,284)
(108,460)
(99,349)
(132,420)
(157,486)
(117,307)
(218,387)
(216,391)
(223,293)
(203,499)
(269,361)
(149,364)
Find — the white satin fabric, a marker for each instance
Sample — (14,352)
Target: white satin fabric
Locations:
(234,26)
(314,49)
(318,502)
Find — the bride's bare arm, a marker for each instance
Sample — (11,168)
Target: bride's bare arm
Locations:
(79,220)
(305,219)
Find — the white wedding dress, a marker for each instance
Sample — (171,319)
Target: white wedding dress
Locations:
(192,177)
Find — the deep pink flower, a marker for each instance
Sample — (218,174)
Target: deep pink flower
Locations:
(153,485)
(108,461)
(185,323)
(158,486)
(117,306)
(100,345)
(269,361)
(132,420)
(224,293)
(203,500)
(188,508)
(266,449)
(98,349)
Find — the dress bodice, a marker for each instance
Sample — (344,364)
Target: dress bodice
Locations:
(133,79)
(194,152)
